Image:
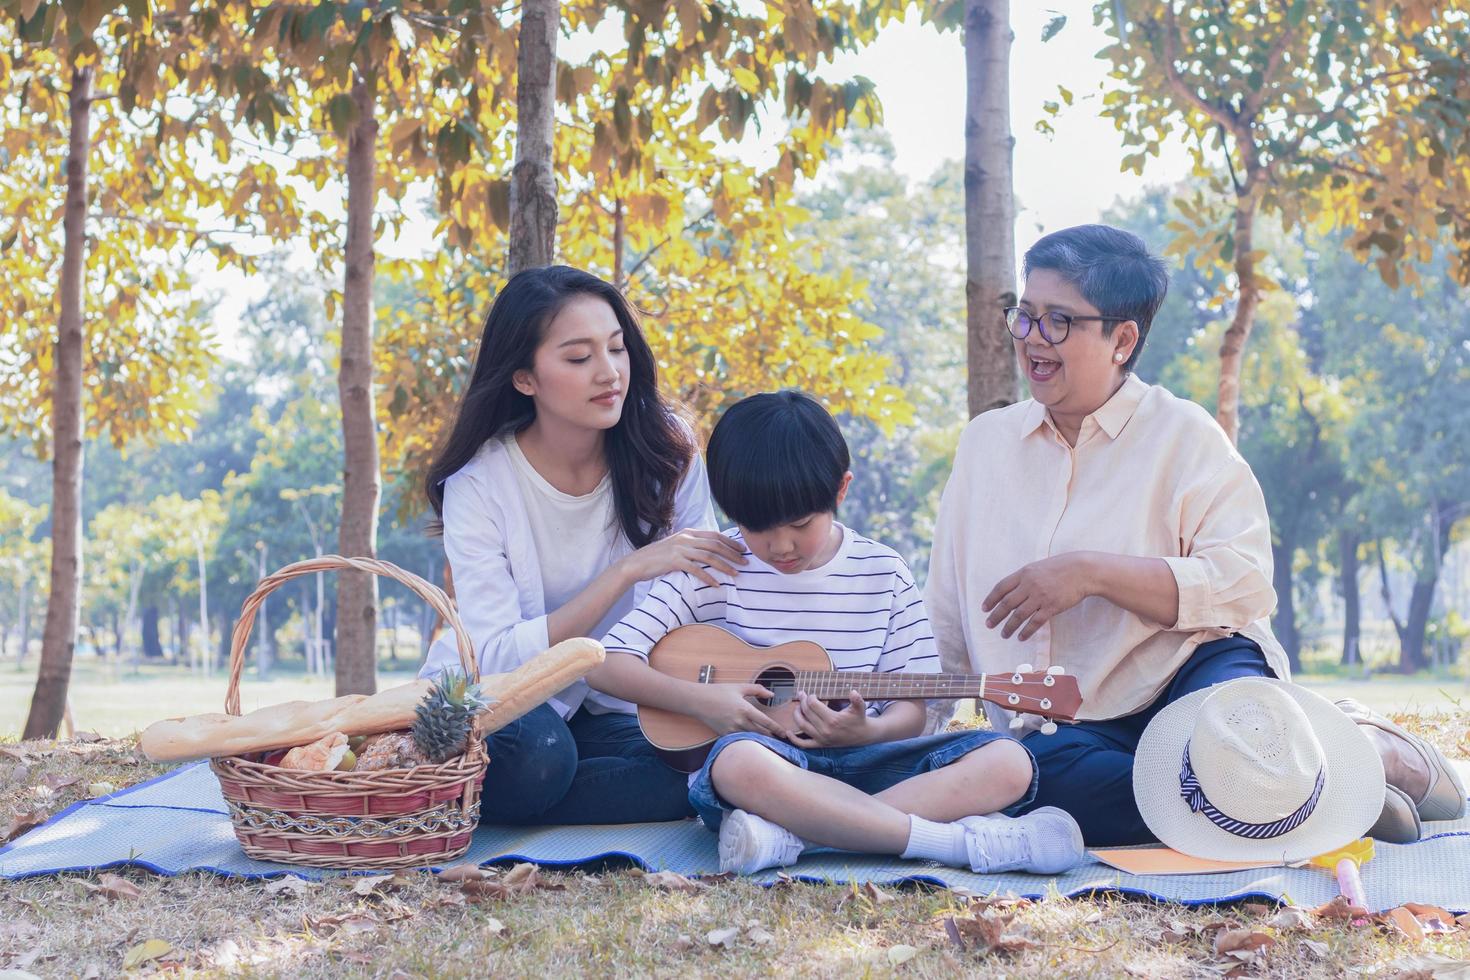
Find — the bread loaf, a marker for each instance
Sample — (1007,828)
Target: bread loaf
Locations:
(299,722)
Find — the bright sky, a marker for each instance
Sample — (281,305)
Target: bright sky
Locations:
(1063,179)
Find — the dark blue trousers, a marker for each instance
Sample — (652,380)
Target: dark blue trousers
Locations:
(1087,768)
(588,769)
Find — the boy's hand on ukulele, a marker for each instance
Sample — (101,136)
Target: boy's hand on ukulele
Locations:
(727,708)
(821,727)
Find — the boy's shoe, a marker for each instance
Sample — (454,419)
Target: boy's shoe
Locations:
(1045,841)
(749,843)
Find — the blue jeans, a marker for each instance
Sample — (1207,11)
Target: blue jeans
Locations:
(870,768)
(588,769)
(1087,768)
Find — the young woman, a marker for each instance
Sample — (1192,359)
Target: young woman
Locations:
(566,484)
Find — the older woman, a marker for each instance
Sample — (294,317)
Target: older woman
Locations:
(1108,527)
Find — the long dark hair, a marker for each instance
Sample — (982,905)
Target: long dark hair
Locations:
(647,451)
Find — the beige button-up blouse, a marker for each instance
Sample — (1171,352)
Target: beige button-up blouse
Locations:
(1151,475)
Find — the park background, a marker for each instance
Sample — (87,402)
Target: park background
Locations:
(245,253)
(784,193)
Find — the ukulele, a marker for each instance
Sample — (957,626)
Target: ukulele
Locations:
(708,654)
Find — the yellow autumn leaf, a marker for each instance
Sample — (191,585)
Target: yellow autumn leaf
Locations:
(149,949)
(746,79)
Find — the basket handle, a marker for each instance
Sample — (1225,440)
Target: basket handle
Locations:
(429,592)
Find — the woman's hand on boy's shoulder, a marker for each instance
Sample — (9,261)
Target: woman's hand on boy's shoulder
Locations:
(820,726)
(689,550)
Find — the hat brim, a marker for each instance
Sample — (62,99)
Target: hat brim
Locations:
(1352,798)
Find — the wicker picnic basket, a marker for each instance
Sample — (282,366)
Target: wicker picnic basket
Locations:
(388,818)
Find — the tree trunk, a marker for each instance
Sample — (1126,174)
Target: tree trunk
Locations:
(25,621)
(181,630)
(532,181)
(59,638)
(990,218)
(1248,297)
(262,621)
(1347,544)
(1421,599)
(357,592)
(619,243)
(150,632)
(1283,624)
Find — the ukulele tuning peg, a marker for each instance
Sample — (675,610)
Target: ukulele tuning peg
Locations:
(1049,728)
(1018,721)
(1056,669)
(1023,668)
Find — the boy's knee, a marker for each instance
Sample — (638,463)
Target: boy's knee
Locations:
(741,763)
(1006,766)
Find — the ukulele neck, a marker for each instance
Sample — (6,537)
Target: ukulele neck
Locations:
(838,685)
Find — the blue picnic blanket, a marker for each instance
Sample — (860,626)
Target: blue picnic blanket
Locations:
(179,823)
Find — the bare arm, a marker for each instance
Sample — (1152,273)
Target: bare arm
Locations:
(1144,586)
(690,550)
(723,707)
(1030,597)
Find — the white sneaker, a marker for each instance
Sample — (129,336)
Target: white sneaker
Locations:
(749,843)
(1045,841)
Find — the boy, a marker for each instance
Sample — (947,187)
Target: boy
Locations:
(858,778)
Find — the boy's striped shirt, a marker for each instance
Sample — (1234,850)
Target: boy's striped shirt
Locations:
(862,607)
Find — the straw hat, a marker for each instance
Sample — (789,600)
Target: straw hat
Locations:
(1256,769)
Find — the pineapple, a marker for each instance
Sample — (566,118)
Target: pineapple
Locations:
(444,718)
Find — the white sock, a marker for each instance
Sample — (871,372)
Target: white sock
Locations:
(931,841)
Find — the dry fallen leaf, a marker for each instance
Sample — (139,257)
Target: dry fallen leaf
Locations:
(103,788)
(460,873)
(722,937)
(1292,919)
(56,782)
(759,936)
(1339,910)
(1432,917)
(683,944)
(18,929)
(985,932)
(1317,949)
(1403,921)
(19,755)
(1431,965)
(149,949)
(899,955)
(1233,940)
(518,880)
(23,822)
(347,925)
(372,885)
(673,881)
(493,925)
(290,885)
(112,886)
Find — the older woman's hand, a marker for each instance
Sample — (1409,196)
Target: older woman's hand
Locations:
(1028,598)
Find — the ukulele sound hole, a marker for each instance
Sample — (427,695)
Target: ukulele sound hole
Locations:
(780,681)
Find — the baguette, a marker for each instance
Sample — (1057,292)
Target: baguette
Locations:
(299,722)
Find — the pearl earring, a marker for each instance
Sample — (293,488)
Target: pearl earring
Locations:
(1118,358)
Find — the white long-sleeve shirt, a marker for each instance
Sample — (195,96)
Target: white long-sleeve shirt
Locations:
(1151,475)
(498,570)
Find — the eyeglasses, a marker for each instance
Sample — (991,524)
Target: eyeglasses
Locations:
(1054,326)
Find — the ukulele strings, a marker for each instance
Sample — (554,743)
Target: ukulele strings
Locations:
(826,687)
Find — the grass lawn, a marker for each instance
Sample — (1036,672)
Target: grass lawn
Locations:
(617,919)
